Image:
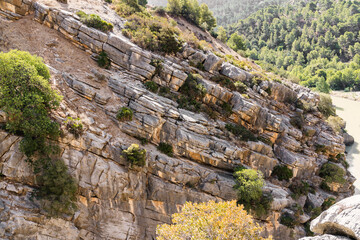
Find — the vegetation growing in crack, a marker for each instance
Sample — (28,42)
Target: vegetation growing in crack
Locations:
(241,132)
(135,155)
(154,32)
(28,99)
(125,114)
(94,21)
(249,184)
(166,148)
(282,172)
(103,60)
(331,173)
(74,125)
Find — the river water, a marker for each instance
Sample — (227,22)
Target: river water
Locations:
(350,111)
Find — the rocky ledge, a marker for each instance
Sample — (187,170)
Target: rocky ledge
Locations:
(339,222)
(118,202)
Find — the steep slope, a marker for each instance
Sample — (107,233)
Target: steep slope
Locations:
(230,11)
(316,44)
(119,202)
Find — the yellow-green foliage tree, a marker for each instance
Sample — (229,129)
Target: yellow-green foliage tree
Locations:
(215,221)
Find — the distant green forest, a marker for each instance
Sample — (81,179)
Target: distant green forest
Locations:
(230,11)
(314,43)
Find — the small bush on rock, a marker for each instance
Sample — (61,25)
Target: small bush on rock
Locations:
(103,60)
(124,114)
(328,203)
(288,220)
(94,21)
(241,132)
(282,172)
(325,106)
(151,86)
(153,33)
(135,155)
(332,173)
(74,126)
(166,148)
(57,189)
(249,185)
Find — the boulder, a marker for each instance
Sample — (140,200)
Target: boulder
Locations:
(234,73)
(213,63)
(197,58)
(326,237)
(348,139)
(343,218)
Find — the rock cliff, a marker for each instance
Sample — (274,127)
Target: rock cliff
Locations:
(118,202)
(340,221)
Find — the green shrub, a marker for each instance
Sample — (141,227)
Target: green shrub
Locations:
(288,220)
(57,189)
(241,87)
(224,81)
(241,132)
(108,1)
(315,212)
(151,86)
(320,148)
(265,140)
(282,172)
(249,185)
(28,99)
(192,94)
(166,148)
(325,106)
(158,64)
(153,33)
(298,121)
(328,203)
(299,188)
(103,60)
(332,173)
(74,125)
(336,123)
(124,114)
(135,155)
(94,21)
(226,109)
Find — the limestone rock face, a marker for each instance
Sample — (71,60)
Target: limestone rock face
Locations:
(234,73)
(326,237)
(116,201)
(343,218)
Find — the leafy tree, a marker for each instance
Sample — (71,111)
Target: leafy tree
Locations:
(298,40)
(27,98)
(236,42)
(249,184)
(222,35)
(143,2)
(190,10)
(205,221)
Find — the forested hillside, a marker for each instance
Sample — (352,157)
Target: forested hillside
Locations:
(230,11)
(315,43)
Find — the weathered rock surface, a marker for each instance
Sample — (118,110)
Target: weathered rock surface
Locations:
(348,139)
(117,202)
(343,218)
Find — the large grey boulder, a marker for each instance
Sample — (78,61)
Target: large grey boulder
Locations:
(234,73)
(343,219)
(348,139)
(213,63)
(326,237)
